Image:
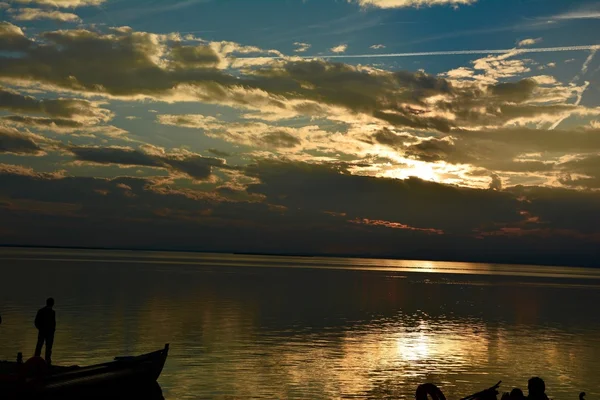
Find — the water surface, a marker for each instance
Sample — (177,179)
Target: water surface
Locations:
(307,327)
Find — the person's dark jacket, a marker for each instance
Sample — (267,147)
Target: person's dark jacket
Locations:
(45,320)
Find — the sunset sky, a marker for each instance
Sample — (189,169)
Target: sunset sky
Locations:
(441,129)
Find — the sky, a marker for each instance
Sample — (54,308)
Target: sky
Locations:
(435,129)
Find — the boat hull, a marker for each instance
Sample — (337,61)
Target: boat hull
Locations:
(122,373)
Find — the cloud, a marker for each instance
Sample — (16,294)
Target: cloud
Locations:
(53,123)
(31,14)
(193,165)
(588,12)
(386,137)
(301,47)
(76,109)
(15,142)
(411,3)
(63,3)
(377,46)
(368,111)
(219,153)
(561,208)
(498,67)
(159,67)
(12,38)
(314,218)
(529,42)
(412,202)
(255,134)
(587,61)
(514,92)
(496,183)
(340,48)
(62,115)
(510,150)
(586,171)
(194,57)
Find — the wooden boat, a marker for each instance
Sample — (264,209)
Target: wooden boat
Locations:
(34,380)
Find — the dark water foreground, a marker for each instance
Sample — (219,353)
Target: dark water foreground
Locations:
(311,328)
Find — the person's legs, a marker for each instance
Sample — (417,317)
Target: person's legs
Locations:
(40,343)
(49,344)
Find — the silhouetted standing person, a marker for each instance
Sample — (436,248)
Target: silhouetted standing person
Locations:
(537,389)
(45,322)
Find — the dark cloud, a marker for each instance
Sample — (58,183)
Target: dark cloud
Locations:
(413,202)
(576,211)
(279,139)
(518,166)
(539,140)
(141,213)
(115,155)
(194,57)
(391,139)
(434,149)
(195,166)
(502,103)
(14,142)
(479,153)
(12,38)
(58,123)
(219,153)
(132,212)
(516,92)
(122,63)
(496,183)
(588,166)
(409,118)
(498,150)
(62,108)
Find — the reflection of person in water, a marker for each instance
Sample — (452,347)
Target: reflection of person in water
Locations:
(45,322)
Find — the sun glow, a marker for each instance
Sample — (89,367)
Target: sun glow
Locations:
(419,169)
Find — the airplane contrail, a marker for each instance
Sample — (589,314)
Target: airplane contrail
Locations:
(459,52)
(450,52)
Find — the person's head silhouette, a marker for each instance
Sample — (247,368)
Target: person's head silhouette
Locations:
(516,394)
(50,302)
(536,387)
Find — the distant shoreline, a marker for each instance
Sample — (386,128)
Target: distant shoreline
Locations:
(329,255)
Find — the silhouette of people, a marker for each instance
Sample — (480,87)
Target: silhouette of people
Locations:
(537,389)
(45,322)
(517,394)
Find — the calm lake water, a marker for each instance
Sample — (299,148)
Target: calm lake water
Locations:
(310,328)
